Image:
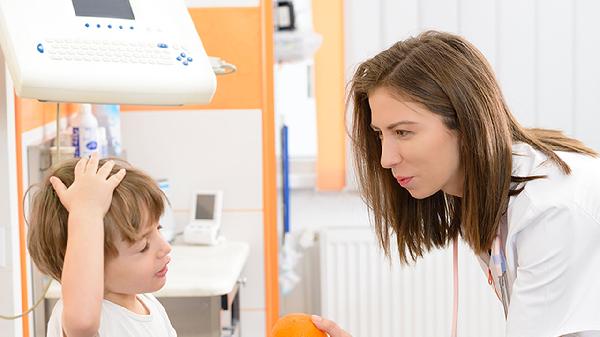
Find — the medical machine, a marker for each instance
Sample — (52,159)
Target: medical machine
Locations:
(205,218)
(105,51)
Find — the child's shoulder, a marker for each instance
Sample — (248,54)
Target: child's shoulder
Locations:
(115,318)
(54,322)
(152,303)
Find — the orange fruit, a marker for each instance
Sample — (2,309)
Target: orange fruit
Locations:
(296,325)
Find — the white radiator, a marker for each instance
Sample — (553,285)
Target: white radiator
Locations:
(369,296)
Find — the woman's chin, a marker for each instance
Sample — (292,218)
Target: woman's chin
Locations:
(420,194)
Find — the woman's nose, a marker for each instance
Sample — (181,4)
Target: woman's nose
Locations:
(390,154)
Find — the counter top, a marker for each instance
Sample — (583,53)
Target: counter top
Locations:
(198,271)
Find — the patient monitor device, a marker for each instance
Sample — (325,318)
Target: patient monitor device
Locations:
(205,218)
(105,51)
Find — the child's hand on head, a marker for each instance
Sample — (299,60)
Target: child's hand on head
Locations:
(91,192)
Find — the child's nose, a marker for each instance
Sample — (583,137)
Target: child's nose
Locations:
(165,248)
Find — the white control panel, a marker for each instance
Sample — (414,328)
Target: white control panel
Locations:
(205,218)
(105,51)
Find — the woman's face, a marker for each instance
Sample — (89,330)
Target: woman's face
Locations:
(418,148)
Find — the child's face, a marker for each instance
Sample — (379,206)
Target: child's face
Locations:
(140,267)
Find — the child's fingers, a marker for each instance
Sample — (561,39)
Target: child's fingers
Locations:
(92,164)
(58,186)
(80,166)
(104,171)
(116,178)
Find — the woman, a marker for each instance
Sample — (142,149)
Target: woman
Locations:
(439,155)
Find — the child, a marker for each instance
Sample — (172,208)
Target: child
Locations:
(96,231)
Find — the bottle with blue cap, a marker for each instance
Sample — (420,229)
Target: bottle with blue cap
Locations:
(85,132)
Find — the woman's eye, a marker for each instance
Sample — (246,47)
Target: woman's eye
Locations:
(402,133)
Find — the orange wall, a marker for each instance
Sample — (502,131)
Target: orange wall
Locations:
(234,35)
(19,129)
(329,86)
(33,114)
(271,242)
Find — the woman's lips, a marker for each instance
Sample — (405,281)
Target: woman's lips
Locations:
(404,181)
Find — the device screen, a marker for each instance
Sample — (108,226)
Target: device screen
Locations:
(118,9)
(205,206)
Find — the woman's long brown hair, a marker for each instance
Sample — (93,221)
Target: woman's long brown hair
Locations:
(451,78)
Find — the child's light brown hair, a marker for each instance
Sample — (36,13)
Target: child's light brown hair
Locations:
(137,203)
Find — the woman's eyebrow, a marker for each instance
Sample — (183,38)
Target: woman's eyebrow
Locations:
(393,125)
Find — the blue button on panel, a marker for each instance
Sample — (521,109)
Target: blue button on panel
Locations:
(190,59)
(121,27)
(87,25)
(182,54)
(130,27)
(163,45)
(109,26)
(185,63)
(178,58)
(40,48)
(98,25)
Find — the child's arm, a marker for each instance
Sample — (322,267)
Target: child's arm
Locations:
(87,201)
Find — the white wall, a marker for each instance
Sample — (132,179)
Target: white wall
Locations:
(10,267)
(296,107)
(544,52)
(210,149)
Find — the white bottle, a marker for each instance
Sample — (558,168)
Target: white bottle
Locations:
(108,116)
(102,142)
(85,132)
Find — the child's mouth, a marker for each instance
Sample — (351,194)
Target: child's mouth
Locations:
(162,272)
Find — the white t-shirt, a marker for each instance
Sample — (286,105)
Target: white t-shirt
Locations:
(117,321)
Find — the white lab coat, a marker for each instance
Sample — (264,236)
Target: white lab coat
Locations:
(551,237)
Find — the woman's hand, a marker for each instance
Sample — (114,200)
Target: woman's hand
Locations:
(330,327)
(91,192)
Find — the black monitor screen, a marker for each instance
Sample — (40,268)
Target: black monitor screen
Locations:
(205,205)
(118,9)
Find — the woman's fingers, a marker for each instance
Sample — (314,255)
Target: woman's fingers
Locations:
(329,327)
